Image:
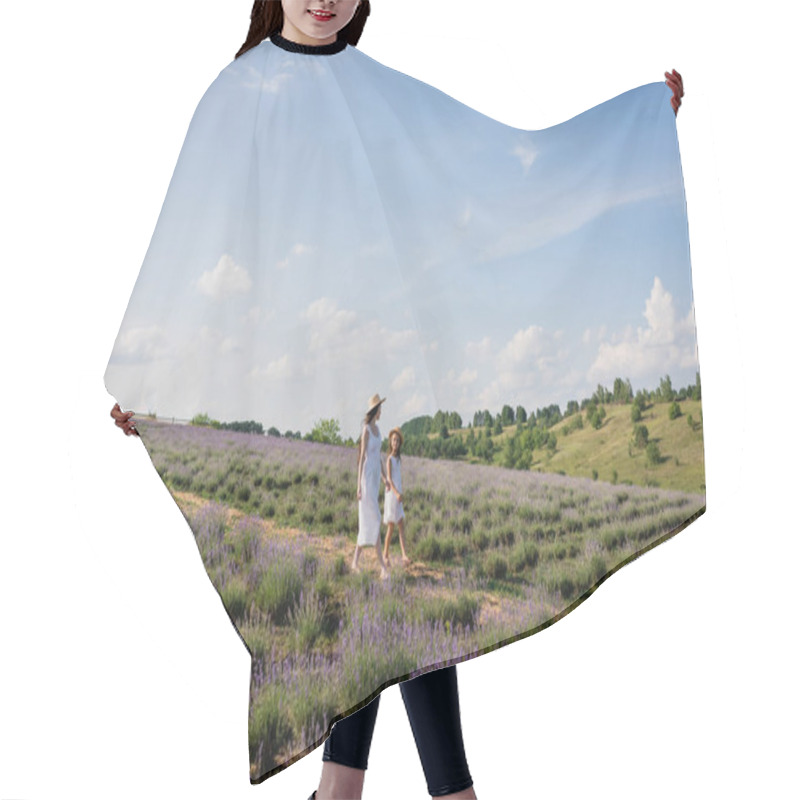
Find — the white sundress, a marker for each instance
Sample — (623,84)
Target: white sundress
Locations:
(393,508)
(369,512)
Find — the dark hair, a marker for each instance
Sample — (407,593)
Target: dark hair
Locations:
(368,417)
(371,414)
(266,18)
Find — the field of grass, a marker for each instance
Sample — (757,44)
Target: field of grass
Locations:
(583,452)
(497,555)
(606,449)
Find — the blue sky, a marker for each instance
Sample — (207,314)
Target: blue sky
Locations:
(335,229)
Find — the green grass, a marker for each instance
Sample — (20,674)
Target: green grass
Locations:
(606,450)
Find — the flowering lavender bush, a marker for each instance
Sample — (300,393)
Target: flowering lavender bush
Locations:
(497,555)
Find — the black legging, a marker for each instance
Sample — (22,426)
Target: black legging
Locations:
(432,705)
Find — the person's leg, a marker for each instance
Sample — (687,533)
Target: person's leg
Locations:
(389,531)
(433,710)
(401,526)
(344,759)
(379,554)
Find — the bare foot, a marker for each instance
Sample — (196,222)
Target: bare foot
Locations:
(386,560)
(355,567)
(384,574)
(406,560)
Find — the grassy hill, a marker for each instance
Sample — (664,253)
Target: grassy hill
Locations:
(583,452)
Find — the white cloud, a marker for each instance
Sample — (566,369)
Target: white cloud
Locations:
(229,346)
(528,369)
(227,278)
(466,378)
(479,350)
(665,342)
(404,380)
(465,216)
(140,344)
(526,155)
(342,336)
(298,249)
(551,222)
(525,348)
(416,404)
(590,336)
(278,369)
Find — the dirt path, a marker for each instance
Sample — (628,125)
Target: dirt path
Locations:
(327,548)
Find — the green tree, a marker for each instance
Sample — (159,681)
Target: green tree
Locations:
(696,393)
(273,431)
(602,395)
(640,436)
(653,454)
(595,415)
(244,426)
(326,431)
(205,421)
(470,441)
(665,390)
(674,410)
(507,415)
(498,425)
(521,415)
(636,413)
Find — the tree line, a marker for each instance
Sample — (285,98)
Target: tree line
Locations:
(430,436)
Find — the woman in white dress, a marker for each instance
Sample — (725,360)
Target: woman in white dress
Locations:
(393,513)
(370,472)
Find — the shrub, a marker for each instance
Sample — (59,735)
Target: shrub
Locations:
(674,410)
(234,598)
(566,586)
(481,540)
(611,540)
(269,720)
(598,567)
(653,454)
(429,549)
(640,436)
(307,618)
(525,554)
(496,567)
(462,611)
(243,494)
(279,589)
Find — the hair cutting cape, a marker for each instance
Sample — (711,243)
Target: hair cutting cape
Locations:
(519,300)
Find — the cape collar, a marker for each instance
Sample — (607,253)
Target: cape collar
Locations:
(308,49)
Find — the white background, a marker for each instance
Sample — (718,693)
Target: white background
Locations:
(121,675)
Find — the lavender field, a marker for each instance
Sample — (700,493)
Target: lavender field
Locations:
(496,555)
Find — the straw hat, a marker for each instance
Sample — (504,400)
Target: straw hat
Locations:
(374,401)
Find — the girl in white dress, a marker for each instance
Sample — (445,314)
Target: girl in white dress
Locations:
(370,472)
(393,513)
